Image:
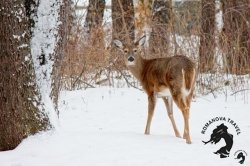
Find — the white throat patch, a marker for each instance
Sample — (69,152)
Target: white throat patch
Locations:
(130,63)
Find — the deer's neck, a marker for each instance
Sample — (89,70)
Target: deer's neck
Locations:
(138,68)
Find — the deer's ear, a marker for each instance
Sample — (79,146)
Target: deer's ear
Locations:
(118,43)
(141,41)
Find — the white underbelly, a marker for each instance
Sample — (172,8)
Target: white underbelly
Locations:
(164,93)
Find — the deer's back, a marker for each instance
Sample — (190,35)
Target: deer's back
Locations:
(167,72)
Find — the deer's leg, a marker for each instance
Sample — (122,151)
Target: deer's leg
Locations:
(151,107)
(186,134)
(186,113)
(183,105)
(169,105)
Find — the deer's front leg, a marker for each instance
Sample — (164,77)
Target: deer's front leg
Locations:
(151,107)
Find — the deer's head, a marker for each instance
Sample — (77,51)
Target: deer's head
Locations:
(132,51)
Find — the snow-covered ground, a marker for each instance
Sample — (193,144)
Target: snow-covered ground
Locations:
(104,127)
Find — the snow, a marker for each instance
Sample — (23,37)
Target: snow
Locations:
(104,127)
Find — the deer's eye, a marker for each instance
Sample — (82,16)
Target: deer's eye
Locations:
(125,51)
(135,50)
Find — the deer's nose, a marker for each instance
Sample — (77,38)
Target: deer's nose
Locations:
(131,59)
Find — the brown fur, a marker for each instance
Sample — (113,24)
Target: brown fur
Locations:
(176,73)
(165,72)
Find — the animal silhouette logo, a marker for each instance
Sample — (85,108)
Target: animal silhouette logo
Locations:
(240,156)
(218,133)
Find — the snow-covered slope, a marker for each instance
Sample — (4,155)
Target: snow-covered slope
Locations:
(104,127)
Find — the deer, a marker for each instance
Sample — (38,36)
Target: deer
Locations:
(170,78)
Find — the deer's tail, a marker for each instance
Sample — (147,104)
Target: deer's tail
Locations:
(189,79)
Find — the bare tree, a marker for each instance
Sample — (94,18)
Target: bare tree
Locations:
(207,36)
(66,18)
(235,38)
(95,14)
(94,21)
(19,96)
(123,19)
(143,15)
(161,27)
(23,96)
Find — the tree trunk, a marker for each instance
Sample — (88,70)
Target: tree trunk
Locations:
(64,30)
(32,46)
(19,97)
(207,37)
(123,20)
(95,14)
(161,30)
(94,21)
(143,15)
(235,38)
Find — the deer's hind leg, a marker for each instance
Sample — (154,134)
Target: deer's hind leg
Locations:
(169,106)
(183,104)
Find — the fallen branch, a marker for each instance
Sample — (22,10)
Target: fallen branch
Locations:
(239,91)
